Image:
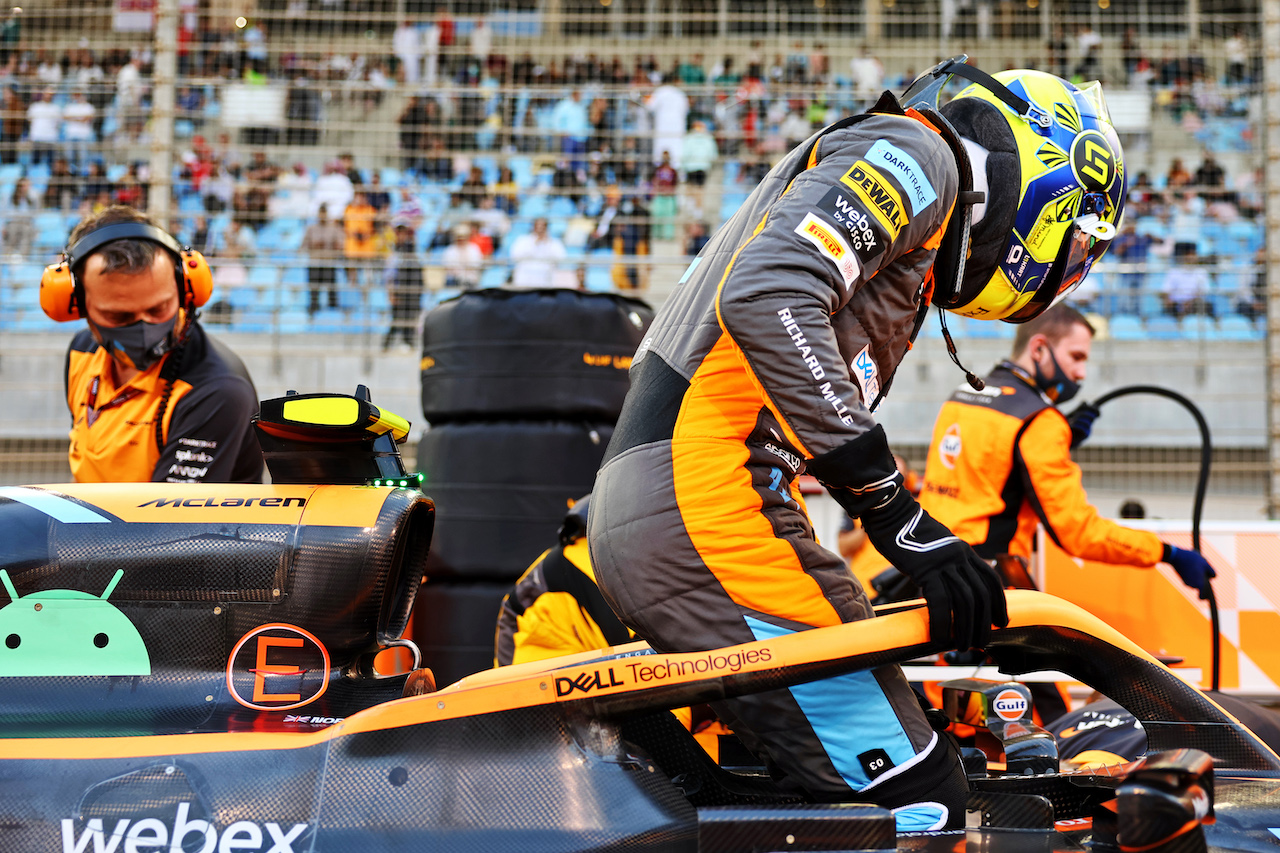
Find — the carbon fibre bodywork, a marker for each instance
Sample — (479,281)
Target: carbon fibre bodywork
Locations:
(573,754)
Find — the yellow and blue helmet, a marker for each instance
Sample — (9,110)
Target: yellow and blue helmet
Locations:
(1055,190)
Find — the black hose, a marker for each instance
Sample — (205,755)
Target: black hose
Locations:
(1202,484)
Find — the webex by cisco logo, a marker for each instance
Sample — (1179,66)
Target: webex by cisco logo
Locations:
(152,835)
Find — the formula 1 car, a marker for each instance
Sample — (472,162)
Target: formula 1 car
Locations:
(189,668)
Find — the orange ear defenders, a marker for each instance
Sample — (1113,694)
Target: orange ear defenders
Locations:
(62,292)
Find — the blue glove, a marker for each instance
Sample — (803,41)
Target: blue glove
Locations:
(1194,569)
(1081,422)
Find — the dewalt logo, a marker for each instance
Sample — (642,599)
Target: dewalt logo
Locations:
(882,200)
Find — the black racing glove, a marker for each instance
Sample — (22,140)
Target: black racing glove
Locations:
(1081,421)
(963,592)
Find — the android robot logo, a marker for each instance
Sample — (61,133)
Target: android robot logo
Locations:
(68,632)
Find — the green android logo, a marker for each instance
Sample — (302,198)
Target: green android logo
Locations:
(68,632)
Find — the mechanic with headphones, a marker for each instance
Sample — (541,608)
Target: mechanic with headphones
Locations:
(152,397)
(768,359)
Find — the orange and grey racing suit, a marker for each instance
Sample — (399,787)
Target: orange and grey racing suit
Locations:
(779,338)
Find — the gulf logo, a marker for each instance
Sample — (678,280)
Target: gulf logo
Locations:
(949,447)
(1009,705)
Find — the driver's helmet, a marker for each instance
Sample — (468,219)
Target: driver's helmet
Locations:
(1055,193)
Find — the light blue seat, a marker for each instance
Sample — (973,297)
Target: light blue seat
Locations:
(1164,328)
(1198,327)
(599,278)
(495,276)
(1236,327)
(1126,327)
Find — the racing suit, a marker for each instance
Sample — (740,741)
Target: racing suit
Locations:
(781,335)
(208,437)
(1000,460)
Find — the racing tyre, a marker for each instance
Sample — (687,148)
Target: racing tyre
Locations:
(529,353)
(453,625)
(501,489)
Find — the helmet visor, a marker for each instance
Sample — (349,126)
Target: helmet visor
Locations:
(1079,250)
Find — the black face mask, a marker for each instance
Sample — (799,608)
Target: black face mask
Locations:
(1057,386)
(140,344)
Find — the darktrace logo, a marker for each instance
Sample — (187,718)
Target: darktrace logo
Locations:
(277,667)
(585,682)
(181,835)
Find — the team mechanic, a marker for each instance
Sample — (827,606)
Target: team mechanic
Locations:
(782,336)
(1000,459)
(152,397)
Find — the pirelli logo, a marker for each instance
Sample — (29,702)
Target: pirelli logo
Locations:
(882,200)
(832,245)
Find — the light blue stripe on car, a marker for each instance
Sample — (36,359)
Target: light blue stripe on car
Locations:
(54,506)
(849,714)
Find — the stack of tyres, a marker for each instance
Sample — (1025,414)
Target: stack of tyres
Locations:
(521,389)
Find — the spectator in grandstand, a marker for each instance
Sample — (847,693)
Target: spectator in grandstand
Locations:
(333,189)
(64,189)
(43,120)
(10,34)
(999,461)
(323,242)
(129,90)
(19,211)
(665,182)
(225,153)
(77,128)
(866,73)
(437,165)
(491,221)
(481,43)
(406,45)
(472,189)
(360,246)
(97,189)
(131,188)
(700,155)
(13,123)
(404,280)
(292,196)
(1209,175)
(462,260)
(1088,53)
(48,69)
(572,124)
(696,237)
(1185,288)
(151,396)
(506,191)
(536,255)
(1130,53)
(1238,58)
(624,226)
(690,71)
(413,121)
(408,209)
(669,107)
(259,170)
(1131,249)
(1178,176)
(1251,299)
(218,190)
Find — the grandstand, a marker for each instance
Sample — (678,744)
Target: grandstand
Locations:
(228,121)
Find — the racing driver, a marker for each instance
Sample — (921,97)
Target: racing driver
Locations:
(768,359)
